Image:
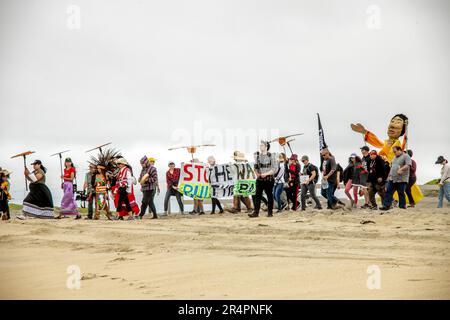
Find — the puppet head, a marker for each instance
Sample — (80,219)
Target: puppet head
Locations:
(397,126)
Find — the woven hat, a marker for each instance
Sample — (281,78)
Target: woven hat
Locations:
(238,155)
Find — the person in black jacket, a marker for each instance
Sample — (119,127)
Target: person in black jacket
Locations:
(309,185)
(377,178)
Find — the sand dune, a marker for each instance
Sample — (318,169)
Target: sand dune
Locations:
(312,255)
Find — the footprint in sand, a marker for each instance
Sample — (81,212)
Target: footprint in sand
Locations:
(88,276)
(121,259)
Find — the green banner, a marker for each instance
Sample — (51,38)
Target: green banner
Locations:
(245,188)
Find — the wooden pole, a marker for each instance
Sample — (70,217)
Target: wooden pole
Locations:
(290,149)
(25,166)
(61,167)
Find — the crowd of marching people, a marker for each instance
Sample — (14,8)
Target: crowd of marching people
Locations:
(282,183)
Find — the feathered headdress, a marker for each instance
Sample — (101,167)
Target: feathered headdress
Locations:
(106,159)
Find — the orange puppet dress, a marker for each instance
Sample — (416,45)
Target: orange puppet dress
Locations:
(387,150)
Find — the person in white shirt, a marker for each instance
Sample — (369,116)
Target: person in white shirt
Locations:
(444,182)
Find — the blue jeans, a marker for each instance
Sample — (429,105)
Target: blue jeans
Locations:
(391,187)
(328,194)
(443,191)
(277,191)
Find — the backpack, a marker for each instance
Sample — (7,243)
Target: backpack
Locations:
(309,169)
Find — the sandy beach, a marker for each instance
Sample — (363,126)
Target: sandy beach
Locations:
(312,255)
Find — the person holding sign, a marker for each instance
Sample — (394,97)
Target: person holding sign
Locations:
(198,203)
(266,165)
(214,200)
(240,162)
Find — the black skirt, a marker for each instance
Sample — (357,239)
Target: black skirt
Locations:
(3,201)
(39,202)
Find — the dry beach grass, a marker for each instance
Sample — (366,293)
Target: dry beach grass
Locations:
(312,255)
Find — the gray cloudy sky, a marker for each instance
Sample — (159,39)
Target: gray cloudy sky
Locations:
(144,73)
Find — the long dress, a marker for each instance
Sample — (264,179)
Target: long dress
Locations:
(124,179)
(387,149)
(68,204)
(39,202)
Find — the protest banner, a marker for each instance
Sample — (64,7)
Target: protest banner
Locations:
(244,179)
(194,181)
(221,179)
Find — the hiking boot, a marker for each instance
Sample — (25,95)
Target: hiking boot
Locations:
(253,215)
(270,214)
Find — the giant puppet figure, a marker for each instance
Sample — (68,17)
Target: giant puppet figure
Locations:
(397,128)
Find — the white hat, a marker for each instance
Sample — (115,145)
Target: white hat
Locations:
(5,172)
(122,161)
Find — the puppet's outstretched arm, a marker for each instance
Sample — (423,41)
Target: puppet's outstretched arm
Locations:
(369,137)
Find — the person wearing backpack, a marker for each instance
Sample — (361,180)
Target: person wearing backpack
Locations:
(266,166)
(309,185)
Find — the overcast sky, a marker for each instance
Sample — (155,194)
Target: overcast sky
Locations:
(149,75)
